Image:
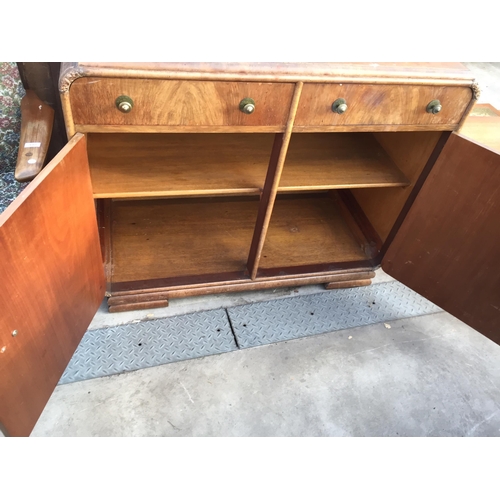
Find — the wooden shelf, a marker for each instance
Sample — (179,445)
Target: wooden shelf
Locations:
(153,239)
(310,229)
(148,165)
(338,160)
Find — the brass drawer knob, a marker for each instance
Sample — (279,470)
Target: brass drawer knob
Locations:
(434,107)
(247,105)
(124,103)
(339,106)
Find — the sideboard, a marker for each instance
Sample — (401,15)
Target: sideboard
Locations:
(200,178)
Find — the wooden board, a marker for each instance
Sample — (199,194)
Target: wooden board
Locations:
(307,230)
(181,237)
(332,161)
(381,104)
(410,151)
(447,248)
(52,284)
(37,120)
(139,165)
(179,103)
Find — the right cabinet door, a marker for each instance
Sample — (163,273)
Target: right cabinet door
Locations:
(448,247)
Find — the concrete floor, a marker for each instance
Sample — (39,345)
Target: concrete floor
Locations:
(425,376)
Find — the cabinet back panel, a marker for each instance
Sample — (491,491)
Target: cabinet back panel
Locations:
(141,165)
(306,230)
(180,237)
(410,151)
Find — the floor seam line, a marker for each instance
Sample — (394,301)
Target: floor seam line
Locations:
(232,329)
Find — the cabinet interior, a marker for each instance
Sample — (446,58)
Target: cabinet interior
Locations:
(182,208)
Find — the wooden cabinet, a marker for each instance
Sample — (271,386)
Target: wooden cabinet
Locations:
(194,196)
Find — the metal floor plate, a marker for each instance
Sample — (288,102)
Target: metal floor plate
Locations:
(109,351)
(291,318)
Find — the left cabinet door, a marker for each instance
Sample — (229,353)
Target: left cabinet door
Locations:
(52,283)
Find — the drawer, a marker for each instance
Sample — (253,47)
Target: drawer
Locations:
(179,103)
(381,105)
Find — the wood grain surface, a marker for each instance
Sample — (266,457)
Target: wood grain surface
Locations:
(447,248)
(181,237)
(137,165)
(380,104)
(179,103)
(308,229)
(329,161)
(145,299)
(410,152)
(37,119)
(401,72)
(52,284)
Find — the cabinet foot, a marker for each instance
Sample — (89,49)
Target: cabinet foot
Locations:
(347,284)
(135,306)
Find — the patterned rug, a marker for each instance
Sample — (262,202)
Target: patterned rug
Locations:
(11,93)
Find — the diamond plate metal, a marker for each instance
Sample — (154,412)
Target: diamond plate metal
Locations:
(285,319)
(109,351)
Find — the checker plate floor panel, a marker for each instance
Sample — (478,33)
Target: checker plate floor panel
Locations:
(109,351)
(286,319)
(125,348)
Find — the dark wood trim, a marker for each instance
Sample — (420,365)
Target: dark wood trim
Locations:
(136,306)
(160,298)
(315,268)
(411,198)
(332,276)
(104,209)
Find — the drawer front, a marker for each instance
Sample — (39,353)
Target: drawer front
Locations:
(381,105)
(179,103)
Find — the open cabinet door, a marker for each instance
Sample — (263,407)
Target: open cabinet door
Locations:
(448,247)
(52,283)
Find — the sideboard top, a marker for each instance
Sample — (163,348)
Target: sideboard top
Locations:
(402,72)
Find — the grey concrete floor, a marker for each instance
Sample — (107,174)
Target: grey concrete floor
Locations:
(425,376)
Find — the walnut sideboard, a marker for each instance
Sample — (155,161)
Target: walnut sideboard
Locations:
(192,179)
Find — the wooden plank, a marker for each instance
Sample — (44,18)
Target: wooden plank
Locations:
(333,161)
(306,230)
(140,300)
(381,104)
(138,306)
(42,78)
(181,237)
(447,246)
(270,191)
(139,165)
(178,103)
(232,280)
(52,284)
(347,284)
(37,120)
(410,152)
